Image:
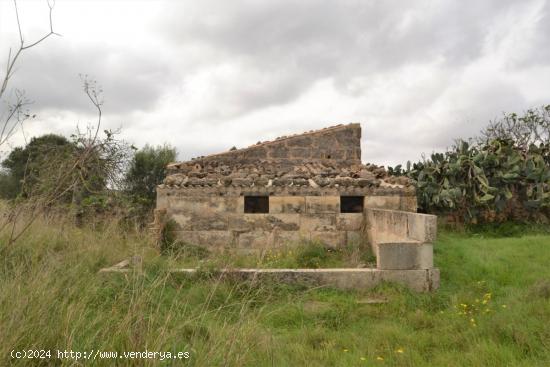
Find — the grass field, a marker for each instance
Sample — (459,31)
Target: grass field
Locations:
(493,308)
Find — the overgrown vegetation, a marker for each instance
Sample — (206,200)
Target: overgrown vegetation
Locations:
(147,170)
(308,254)
(98,177)
(503,175)
(52,297)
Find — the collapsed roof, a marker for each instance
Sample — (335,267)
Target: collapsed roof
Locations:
(326,158)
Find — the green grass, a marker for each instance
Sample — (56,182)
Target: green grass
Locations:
(299,255)
(51,297)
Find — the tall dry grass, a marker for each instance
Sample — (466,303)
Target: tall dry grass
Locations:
(52,297)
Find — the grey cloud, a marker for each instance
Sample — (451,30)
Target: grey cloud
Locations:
(301,42)
(254,57)
(131,80)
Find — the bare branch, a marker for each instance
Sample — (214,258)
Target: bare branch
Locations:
(10,70)
(18,22)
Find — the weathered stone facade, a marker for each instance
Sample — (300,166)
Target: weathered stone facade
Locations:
(304,177)
(303,187)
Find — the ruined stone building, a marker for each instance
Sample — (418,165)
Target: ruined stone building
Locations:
(310,186)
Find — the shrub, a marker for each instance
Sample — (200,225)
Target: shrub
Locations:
(490,180)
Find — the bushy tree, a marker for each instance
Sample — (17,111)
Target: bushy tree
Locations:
(531,128)
(25,166)
(147,170)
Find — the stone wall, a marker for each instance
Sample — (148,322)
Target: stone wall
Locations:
(213,216)
(339,145)
(219,222)
(304,176)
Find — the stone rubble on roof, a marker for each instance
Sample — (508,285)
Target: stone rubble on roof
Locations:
(313,174)
(315,160)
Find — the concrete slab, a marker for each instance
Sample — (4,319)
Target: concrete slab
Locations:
(343,278)
(404,255)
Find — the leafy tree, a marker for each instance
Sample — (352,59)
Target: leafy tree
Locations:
(24,166)
(533,127)
(147,170)
(8,186)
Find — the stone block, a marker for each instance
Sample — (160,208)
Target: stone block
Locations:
(417,280)
(326,141)
(269,222)
(287,204)
(212,240)
(349,221)
(209,204)
(237,223)
(335,239)
(404,256)
(300,153)
(322,204)
(386,225)
(299,142)
(277,151)
(409,204)
(256,153)
(355,237)
(188,204)
(318,222)
(383,202)
(258,240)
(336,154)
(289,238)
(422,227)
(201,221)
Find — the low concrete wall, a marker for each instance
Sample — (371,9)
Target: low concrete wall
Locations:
(384,225)
(401,240)
(344,278)
(418,280)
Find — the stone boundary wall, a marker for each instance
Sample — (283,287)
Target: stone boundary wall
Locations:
(342,278)
(338,144)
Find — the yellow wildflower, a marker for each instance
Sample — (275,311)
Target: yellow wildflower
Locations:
(400,350)
(379,358)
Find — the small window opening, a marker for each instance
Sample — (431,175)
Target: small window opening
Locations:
(328,156)
(256,204)
(351,204)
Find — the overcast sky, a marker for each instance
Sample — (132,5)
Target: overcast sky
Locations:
(206,75)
